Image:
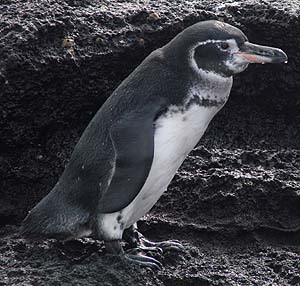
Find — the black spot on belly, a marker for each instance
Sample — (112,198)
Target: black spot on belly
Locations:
(122,225)
(146,197)
(119,218)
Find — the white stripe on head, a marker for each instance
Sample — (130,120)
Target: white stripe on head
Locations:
(233,48)
(203,73)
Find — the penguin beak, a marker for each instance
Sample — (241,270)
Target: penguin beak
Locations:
(252,53)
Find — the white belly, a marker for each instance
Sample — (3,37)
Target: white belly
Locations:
(176,134)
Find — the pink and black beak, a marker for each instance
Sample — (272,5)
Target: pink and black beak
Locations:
(252,53)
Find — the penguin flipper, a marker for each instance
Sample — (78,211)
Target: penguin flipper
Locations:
(133,142)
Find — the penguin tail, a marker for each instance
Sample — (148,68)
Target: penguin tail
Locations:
(53,218)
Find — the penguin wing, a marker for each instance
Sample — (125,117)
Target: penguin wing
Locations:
(133,141)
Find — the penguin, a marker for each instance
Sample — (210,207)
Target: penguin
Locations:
(133,146)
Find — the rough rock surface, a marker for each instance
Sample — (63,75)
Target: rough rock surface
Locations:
(235,202)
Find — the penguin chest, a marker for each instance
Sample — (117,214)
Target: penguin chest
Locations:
(176,134)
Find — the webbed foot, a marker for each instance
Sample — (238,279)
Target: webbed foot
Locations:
(137,241)
(143,260)
(132,255)
(167,245)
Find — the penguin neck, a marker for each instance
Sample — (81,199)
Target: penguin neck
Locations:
(208,89)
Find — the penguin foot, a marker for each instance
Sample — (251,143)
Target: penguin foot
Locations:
(143,260)
(137,241)
(162,246)
(132,255)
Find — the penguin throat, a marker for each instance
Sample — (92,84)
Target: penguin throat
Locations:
(210,75)
(195,99)
(209,90)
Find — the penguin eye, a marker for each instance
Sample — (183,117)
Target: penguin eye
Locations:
(224,46)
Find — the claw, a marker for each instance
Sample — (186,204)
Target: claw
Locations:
(151,248)
(143,260)
(171,246)
(168,245)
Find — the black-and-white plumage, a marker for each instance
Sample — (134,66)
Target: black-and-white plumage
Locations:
(134,145)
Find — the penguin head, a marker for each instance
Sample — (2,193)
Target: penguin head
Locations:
(217,47)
